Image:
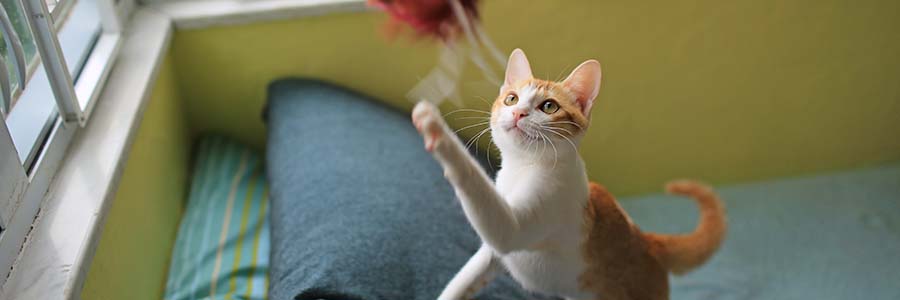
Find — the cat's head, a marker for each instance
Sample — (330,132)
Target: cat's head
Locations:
(540,118)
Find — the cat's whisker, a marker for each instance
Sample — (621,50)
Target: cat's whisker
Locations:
(555,152)
(575,148)
(528,146)
(483,100)
(466,110)
(470,126)
(474,139)
(488,149)
(533,139)
(560,128)
(567,122)
(475,118)
(543,143)
(468,142)
(530,142)
(562,72)
(555,131)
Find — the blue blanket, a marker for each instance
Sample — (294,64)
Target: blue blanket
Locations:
(834,236)
(360,211)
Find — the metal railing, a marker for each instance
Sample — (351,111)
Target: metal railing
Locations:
(41,23)
(14,50)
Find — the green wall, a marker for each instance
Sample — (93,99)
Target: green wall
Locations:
(722,91)
(132,258)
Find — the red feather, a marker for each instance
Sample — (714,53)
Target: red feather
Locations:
(433,18)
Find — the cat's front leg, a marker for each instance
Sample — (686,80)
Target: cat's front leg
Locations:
(498,225)
(477,273)
(443,143)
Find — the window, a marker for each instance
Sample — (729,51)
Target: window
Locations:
(54,57)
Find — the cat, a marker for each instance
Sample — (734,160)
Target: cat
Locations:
(542,221)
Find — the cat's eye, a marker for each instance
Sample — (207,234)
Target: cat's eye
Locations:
(549,106)
(511,99)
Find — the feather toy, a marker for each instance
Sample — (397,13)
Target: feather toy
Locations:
(446,21)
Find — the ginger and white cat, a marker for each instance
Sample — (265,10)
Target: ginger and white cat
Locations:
(542,221)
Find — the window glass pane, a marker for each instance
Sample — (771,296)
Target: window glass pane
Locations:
(35,112)
(14,10)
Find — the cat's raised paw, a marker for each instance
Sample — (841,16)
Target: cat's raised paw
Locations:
(428,121)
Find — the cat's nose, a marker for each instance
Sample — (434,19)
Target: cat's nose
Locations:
(518,114)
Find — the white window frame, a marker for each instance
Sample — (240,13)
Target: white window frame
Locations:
(84,39)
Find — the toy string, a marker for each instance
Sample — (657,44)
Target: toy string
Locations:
(442,82)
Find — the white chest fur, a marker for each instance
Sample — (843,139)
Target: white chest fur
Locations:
(557,194)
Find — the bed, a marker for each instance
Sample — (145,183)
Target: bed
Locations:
(360,211)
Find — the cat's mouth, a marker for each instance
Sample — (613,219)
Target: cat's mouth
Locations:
(520,131)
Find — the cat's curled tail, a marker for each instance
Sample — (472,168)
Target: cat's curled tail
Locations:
(681,253)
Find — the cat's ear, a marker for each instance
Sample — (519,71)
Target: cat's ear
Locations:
(585,83)
(517,69)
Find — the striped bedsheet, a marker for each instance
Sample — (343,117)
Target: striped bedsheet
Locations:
(222,247)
